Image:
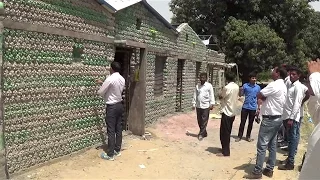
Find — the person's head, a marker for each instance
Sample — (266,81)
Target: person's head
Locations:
(252,77)
(230,77)
(203,77)
(304,77)
(278,73)
(295,74)
(115,67)
(288,69)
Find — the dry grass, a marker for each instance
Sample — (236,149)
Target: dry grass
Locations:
(306,129)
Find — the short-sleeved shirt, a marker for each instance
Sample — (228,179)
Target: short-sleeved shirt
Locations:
(275,93)
(250,92)
(229,99)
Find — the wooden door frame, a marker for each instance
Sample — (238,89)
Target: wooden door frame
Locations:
(138,102)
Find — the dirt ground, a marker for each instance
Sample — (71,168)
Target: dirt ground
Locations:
(169,154)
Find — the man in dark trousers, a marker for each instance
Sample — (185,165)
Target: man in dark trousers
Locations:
(203,101)
(111,91)
(250,91)
(228,97)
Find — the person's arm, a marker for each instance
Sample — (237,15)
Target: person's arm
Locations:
(297,101)
(223,93)
(194,99)
(212,100)
(306,97)
(265,92)
(104,88)
(259,100)
(241,90)
(314,87)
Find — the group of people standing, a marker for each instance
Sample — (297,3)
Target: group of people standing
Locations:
(203,102)
(279,105)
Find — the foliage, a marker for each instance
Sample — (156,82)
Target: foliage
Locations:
(253,47)
(291,23)
(311,37)
(264,76)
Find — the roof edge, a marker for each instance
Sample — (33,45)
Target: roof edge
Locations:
(184,25)
(161,18)
(106,5)
(181,26)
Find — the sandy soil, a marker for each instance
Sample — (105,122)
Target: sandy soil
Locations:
(169,154)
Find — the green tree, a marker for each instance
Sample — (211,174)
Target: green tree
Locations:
(311,37)
(253,47)
(289,19)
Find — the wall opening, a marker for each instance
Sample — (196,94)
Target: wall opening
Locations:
(123,56)
(187,37)
(179,97)
(160,65)
(138,24)
(77,52)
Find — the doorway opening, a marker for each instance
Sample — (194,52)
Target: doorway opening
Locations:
(179,97)
(123,56)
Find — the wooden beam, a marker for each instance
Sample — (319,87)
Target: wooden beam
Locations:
(186,57)
(8,23)
(130,43)
(161,51)
(136,44)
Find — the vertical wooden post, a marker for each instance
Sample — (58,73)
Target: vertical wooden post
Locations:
(138,102)
(3,165)
(220,77)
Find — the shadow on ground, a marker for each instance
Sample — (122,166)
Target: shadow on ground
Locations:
(214,150)
(191,134)
(247,168)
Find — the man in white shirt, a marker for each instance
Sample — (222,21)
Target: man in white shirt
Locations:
(287,79)
(229,97)
(310,168)
(283,135)
(111,91)
(273,98)
(292,113)
(203,101)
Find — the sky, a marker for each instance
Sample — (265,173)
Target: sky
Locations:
(162,6)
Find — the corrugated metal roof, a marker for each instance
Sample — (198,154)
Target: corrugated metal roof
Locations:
(117,5)
(121,4)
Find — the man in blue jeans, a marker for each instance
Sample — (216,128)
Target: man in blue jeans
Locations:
(292,113)
(272,98)
(250,91)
